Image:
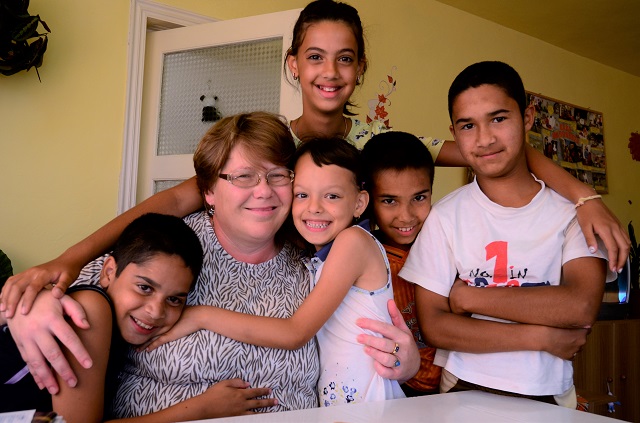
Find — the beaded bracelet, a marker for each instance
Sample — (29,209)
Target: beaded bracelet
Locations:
(582,200)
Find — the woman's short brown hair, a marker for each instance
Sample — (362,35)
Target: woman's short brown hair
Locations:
(265,137)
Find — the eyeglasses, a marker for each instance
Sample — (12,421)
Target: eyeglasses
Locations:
(251,178)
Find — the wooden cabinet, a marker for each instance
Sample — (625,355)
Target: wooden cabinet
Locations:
(612,353)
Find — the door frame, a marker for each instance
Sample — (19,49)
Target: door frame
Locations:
(144,15)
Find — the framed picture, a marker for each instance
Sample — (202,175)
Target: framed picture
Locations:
(571,136)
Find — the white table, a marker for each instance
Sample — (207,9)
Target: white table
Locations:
(469,406)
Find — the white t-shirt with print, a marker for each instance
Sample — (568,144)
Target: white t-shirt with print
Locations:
(466,234)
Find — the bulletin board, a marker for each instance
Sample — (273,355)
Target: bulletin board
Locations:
(571,136)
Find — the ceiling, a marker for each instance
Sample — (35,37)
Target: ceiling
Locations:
(607,31)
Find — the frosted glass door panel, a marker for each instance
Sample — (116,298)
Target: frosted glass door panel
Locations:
(161,185)
(200,86)
(238,61)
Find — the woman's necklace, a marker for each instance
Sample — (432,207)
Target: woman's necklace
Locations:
(295,126)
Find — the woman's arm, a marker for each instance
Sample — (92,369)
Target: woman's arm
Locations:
(341,269)
(224,399)
(594,217)
(62,271)
(85,401)
(38,336)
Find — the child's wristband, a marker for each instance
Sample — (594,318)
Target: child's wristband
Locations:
(582,200)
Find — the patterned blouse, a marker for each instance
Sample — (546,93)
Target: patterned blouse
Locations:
(361,132)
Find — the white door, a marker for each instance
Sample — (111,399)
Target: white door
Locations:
(197,73)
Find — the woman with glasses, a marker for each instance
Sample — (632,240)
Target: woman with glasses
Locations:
(242,171)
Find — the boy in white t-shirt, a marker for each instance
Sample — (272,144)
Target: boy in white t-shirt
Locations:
(506,229)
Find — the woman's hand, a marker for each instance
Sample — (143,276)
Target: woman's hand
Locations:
(224,399)
(595,218)
(233,398)
(24,286)
(396,354)
(183,327)
(37,334)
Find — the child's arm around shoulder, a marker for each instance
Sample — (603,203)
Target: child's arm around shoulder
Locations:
(449,156)
(355,255)
(594,216)
(85,401)
(342,269)
(62,271)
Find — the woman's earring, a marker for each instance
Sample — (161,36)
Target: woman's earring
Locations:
(295,77)
(358,79)
(211,210)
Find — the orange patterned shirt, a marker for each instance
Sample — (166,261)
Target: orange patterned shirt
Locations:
(428,377)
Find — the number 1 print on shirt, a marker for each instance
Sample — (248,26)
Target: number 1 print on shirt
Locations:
(503,274)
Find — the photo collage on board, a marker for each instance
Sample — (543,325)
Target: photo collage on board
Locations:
(571,136)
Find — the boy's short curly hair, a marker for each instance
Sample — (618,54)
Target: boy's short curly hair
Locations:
(489,73)
(152,234)
(394,150)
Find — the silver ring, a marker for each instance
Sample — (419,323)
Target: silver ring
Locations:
(397,363)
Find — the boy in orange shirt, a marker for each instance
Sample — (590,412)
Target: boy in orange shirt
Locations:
(399,172)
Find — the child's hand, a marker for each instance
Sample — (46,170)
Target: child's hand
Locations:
(232,398)
(24,286)
(595,218)
(187,325)
(564,343)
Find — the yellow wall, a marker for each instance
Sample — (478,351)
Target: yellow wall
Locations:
(61,140)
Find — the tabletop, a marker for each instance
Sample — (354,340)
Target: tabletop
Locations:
(455,407)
